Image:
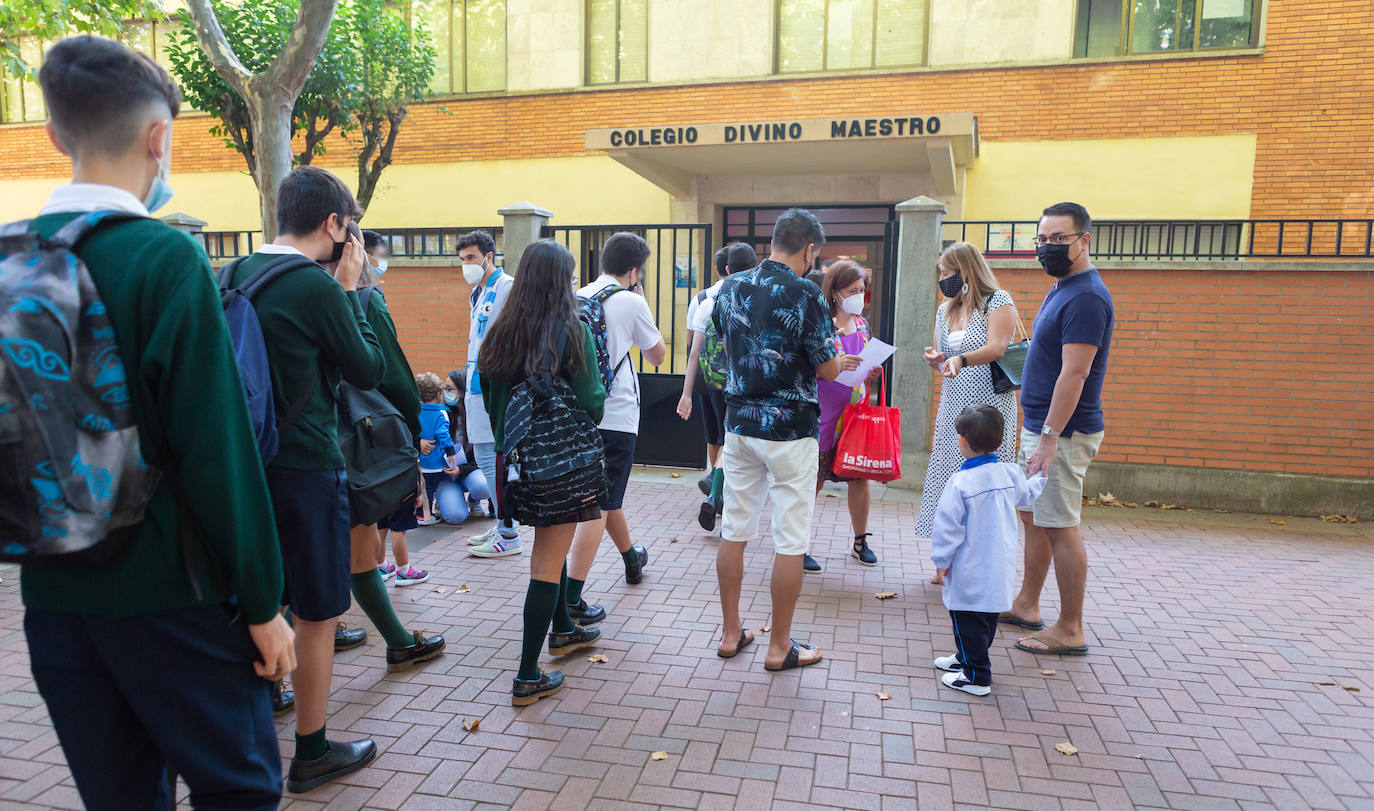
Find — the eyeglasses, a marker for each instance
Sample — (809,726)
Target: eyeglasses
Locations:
(1056,239)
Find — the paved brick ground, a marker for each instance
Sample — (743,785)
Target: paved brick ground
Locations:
(1222,649)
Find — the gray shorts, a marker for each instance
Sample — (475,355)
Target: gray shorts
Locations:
(1061,502)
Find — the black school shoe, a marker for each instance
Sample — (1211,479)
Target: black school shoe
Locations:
(346,638)
(584,614)
(283,698)
(339,760)
(706,516)
(635,573)
(576,639)
(525,693)
(424,649)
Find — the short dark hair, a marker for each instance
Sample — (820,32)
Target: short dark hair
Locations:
(723,261)
(478,239)
(371,239)
(97,91)
(624,252)
(742,257)
(1081,220)
(981,426)
(308,196)
(796,228)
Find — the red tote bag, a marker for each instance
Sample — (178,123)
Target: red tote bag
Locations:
(870,445)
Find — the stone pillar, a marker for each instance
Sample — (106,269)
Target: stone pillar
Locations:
(912,383)
(522,224)
(185,222)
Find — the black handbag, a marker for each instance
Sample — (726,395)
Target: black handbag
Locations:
(1006,370)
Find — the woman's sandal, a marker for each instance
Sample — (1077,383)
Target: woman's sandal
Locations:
(1011,619)
(1052,645)
(793,659)
(746,638)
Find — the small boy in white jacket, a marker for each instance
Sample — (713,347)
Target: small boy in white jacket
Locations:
(975,543)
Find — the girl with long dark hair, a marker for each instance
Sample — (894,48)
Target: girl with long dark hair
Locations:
(541,387)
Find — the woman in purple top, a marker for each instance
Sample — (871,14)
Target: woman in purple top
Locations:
(844,289)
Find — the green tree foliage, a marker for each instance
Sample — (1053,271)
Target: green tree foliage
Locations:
(56,19)
(373,64)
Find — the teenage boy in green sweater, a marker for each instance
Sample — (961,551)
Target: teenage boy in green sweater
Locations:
(162,656)
(316,334)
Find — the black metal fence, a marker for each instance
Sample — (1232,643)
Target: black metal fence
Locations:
(680,265)
(411,243)
(1185,239)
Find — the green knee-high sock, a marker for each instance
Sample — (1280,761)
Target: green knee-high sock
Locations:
(370,591)
(312,746)
(717,483)
(562,620)
(574,589)
(539,608)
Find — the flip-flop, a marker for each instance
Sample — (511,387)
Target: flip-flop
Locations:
(746,638)
(1011,619)
(793,659)
(1052,646)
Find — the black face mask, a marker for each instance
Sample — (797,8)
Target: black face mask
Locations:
(1054,259)
(952,286)
(337,253)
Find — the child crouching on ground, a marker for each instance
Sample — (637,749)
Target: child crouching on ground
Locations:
(974,546)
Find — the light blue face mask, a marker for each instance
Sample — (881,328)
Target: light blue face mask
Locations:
(159,194)
(451,398)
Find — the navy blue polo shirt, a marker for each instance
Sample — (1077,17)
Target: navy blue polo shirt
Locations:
(1077,310)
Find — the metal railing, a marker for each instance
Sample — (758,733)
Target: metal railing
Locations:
(679,266)
(1185,239)
(412,243)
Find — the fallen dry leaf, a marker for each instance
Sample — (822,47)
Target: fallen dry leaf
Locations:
(831,495)
(413,599)
(1067,748)
(1048,672)
(1326,684)
(675,475)
(598,659)
(884,696)
(439,591)
(463,589)
(1278,521)
(1107,499)
(885,595)
(471,726)
(766,628)
(1351,689)
(1221,511)
(1142,757)
(659,756)
(672,539)
(1152,504)
(1168,506)
(1132,504)
(1341,519)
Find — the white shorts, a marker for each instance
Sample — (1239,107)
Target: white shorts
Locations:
(1061,502)
(786,472)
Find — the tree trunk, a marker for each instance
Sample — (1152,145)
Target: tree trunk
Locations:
(272,153)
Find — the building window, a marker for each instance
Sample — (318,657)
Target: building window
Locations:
(1120,27)
(850,34)
(617,41)
(469,42)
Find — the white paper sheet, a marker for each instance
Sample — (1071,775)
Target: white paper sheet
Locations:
(872,356)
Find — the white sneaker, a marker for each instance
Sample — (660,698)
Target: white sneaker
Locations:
(428,522)
(949,663)
(961,682)
(485,538)
(500,547)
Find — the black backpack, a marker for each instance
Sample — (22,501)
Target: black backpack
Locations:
(547,434)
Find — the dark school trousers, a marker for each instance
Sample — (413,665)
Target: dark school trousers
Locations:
(973,634)
(130,696)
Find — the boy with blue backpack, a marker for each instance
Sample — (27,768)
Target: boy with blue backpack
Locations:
(614,309)
(157,649)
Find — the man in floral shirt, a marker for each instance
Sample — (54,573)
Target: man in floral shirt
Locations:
(778,338)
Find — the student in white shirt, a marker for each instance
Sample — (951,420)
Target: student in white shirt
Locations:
(974,545)
(629,325)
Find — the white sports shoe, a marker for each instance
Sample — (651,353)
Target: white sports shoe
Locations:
(485,538)
(949,663)
(961,682)
(499,547)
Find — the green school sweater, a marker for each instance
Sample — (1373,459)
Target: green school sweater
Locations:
(314,330)
(398,385)
(591,395)
(188,401)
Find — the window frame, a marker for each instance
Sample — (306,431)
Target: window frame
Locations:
(825,43)
(450,92)
(1127,32)
(587,45)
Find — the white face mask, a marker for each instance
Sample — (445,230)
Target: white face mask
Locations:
(854,305)
(473,274)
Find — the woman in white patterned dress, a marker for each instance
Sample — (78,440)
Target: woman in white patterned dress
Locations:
(972,329)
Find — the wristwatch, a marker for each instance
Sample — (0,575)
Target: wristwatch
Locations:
(1046,430)
(963,361)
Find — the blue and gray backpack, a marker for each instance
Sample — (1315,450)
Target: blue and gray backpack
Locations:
(73,482)
(592,310)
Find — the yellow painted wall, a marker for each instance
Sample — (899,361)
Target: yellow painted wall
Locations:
(579,191)
(1206,177)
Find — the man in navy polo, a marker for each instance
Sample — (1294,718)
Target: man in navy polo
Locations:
(1062,429)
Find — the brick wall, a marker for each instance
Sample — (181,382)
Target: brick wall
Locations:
(1306,98)
(430,308)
